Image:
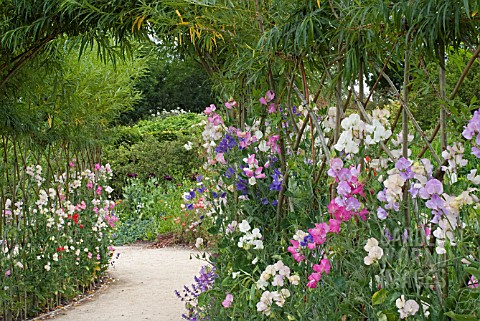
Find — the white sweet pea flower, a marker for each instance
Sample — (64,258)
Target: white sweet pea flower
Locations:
(371,242)
(406,308)
(244,226)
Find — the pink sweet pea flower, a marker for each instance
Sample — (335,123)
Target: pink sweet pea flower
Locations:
(323,267)
(473,283)
(319,233)
(334,226)
(220,158)
(228,301)
(210,109)
(90,185)
(294,251)
(269,95)
(271,108)
(97,167)
(251,160)
(230,104)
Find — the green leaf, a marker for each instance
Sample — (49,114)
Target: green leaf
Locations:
(461,317)
(379,297)
(473,271)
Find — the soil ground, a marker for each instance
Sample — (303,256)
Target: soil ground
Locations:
(144,280)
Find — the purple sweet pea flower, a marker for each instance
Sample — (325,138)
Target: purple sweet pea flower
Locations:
(344,188)
(381,196)
(435,202)
(381,213)
(476,152)
(336,164)
(388,235)
(344,174)
(353,204)
(405,168)
(433,186)
(393,206)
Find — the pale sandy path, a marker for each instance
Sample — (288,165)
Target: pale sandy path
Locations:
(143,290)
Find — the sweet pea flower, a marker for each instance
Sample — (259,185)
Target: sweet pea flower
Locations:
(269,96)
(406,308)
(230,104)
(473,283)
(334,226)
(228,301)
(210,109)
(323,267)
(244,226)
(433,186)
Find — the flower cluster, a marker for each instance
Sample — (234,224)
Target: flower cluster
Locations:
(346,204)
(72,216)
(472,129)
(190,294)
(252,238)
(410,307)
(276,275)
(253,171)
(268,298)
(454,157)
(354,130)
(375,252)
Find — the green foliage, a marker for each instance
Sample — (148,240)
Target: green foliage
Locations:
(149,209)
(170,84)
(155,148)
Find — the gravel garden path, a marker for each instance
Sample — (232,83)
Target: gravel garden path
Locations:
(144,281)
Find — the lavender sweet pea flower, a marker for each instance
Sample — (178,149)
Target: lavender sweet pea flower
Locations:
(381,213)
(336,164)
(353,204)
(405,168)
(433,186)
(381,196)
(476,152)
(344,188)
(393,206)
(388,235)
(435,203)
(344,174)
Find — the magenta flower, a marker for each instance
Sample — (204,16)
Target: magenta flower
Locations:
(323,267)
(97,167)
(334,226)
(99,190)
(271,108)
(319,233)
(90,185)
(473,283)
(210,109)
(228,301)
(294,250)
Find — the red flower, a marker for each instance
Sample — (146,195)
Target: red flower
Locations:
(60,249)
(75,218)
